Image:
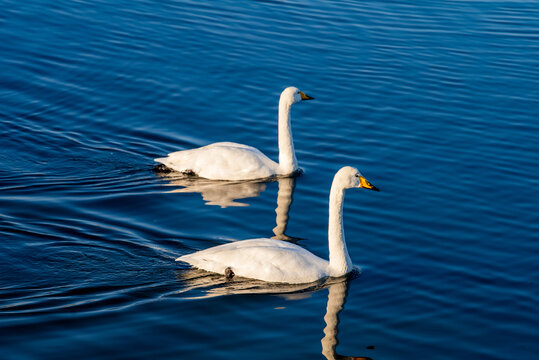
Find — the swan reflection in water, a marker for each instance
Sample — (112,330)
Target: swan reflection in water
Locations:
(204,284)
(214,192)
(336,299)
(284,201)
(224,194)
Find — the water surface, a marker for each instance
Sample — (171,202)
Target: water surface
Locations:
(436,104)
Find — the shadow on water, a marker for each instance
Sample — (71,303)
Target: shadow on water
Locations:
(202,285)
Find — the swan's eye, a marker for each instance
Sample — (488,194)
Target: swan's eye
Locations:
(357,175)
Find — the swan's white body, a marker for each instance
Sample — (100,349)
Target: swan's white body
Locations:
(263,259)
(223,161)
(280,261)
(231,161)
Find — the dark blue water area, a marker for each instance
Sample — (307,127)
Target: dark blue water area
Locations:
(436,103)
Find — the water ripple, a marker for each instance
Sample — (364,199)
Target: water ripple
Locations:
(436,103)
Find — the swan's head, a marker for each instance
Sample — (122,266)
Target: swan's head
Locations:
(292,95)
(350,177)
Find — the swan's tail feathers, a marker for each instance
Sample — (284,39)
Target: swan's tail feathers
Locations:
(184,258)
(170,165)
(162,167)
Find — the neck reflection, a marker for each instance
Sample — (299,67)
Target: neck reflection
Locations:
(284,201)
(336,300)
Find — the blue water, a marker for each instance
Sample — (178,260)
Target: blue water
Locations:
(436,103)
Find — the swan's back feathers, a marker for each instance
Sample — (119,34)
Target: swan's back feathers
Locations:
(263,259)
(223,161)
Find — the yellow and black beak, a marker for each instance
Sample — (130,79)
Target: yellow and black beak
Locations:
(304,96)
(364,183)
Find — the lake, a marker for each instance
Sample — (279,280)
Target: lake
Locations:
(435,103)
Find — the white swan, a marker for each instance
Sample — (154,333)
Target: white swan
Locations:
(281,261)
(231,161)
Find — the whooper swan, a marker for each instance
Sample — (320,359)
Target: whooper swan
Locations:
(231,161)
(280,261)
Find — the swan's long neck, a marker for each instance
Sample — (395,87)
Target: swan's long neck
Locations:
(287,157)
(339,260)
